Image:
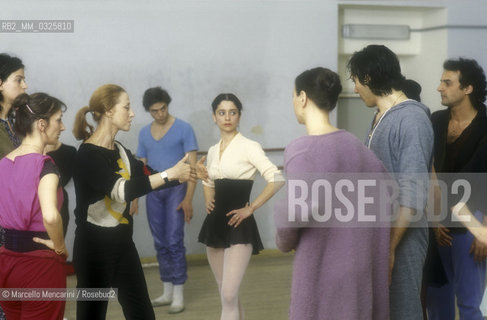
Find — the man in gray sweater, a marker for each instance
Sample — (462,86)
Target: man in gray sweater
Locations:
(401,136)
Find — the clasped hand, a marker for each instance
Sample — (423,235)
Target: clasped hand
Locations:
(201,171)
(182,171)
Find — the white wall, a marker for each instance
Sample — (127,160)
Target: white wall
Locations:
(469,42)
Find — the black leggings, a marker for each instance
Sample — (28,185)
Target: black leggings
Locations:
(102,265)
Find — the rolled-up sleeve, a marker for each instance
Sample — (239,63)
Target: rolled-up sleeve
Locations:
(259,160)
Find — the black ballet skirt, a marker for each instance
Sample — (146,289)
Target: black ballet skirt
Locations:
(230,194)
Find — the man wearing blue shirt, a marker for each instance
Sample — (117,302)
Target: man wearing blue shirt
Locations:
(162,144)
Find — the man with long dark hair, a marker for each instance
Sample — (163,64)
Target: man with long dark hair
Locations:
(401,136)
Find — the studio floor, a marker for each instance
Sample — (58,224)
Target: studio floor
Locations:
(265,291)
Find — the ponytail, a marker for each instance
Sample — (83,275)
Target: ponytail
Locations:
(102,100)
(82,130)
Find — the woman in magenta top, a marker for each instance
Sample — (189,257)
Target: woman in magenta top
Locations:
(34,252)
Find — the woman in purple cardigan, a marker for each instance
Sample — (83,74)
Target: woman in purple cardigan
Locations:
(341,261)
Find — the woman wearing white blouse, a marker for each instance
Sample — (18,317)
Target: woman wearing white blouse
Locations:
(229,230)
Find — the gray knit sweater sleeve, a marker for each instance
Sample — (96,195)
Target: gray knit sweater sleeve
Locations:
(403,141)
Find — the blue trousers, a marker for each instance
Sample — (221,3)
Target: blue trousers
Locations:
(466,280)
(167,227)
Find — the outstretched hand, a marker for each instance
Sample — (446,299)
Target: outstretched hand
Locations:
(182,171)
(201,171)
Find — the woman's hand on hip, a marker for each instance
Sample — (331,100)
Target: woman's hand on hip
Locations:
(210,205)
(48,243)
(240,215)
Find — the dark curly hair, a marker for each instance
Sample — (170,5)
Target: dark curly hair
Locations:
(377,67)
(155,95)
(471,74)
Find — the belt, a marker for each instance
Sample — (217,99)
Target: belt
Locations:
(21,241)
